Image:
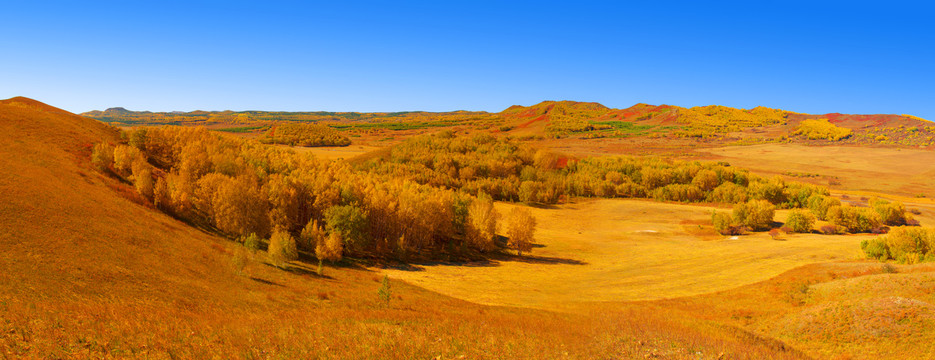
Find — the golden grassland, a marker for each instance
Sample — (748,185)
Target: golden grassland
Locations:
(337,153)
(615,250)
(88,271)
(886,170)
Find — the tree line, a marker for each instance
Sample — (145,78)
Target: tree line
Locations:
(247,190)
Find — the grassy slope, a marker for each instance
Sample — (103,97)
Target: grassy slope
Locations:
(87,272)
(617,249)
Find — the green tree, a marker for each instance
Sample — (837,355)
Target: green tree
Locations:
(351,222)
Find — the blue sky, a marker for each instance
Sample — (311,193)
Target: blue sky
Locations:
(808,56)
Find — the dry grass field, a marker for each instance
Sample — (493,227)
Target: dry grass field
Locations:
(621,250)
(87,270)
(335,152)
(888,170)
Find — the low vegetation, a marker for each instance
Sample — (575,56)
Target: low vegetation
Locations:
(821,129)
(513,171)
(905,245)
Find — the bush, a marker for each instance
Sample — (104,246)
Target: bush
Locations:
(775,234)
(830,230)
(755,214)
(800,221)
(728,193)
(251,242)
(820,204)
(821,129)
(724,224)
(890,213)
(875,249)
(282,248)
(905,244)
(853,219)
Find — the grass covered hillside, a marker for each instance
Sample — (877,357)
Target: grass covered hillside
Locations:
(567,121)
(91,268)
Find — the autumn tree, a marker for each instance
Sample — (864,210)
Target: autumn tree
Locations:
(481,229)
(706,180)
(102,156)
(754,214)
(800,221)
(282,248)
(124,158)
(329,248)
(162,197)
(311,235)
(240,207)
(142,175)
(521,230)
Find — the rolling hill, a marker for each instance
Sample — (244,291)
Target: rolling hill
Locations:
(86,270)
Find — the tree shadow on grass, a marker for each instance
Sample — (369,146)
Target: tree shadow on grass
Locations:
(264,281)
(299,268)
(534,259)
(492,260)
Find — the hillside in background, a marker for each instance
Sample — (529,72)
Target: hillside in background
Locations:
(713,124)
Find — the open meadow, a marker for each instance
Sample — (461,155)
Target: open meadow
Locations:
(622,250)
(136,243)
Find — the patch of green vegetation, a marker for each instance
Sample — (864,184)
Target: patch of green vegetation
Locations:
(395,126)
(242,129)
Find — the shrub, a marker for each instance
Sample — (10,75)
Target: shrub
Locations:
(888,269)
(251,242)
(830,230)
(706,180)
(908,244)
(239,261)
(890,213)
(821,129)
(385,292)
(754,214)
(775,234)
(282,248)
(800,221)
(724,224)
(728,193)
(820,204)
(853,219)
(875,249)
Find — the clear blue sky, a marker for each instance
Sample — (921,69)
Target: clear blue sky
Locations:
(808,56)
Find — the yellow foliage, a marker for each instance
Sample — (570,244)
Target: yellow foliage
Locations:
(821,129)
